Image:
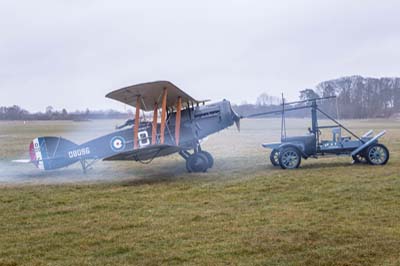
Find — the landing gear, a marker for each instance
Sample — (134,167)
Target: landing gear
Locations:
(274,157)
(198,162)
(209,158)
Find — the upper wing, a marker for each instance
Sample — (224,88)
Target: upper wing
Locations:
(146,153)
(151,93)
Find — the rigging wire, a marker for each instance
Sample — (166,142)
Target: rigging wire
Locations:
(151,159)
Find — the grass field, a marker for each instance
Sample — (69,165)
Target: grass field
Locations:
(242,212)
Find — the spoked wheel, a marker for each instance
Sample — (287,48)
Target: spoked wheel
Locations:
(197,163)
(289,158)
(274,157)
(210,159)
(377,154)
(359,158)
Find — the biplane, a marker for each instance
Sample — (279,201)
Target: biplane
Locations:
(179,123)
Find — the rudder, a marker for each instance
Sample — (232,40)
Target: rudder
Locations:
(48,153)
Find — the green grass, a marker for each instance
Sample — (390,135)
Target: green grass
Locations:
(243,212)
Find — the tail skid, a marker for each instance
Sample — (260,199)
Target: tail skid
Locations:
(87,165)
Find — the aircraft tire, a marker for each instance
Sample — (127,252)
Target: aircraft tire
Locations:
(197,163)
(210,159)
(274,157)
(289,158)
(377,154)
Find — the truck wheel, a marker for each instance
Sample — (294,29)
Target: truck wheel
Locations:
(377,154)
(274,157)
(289,158)
(197,163)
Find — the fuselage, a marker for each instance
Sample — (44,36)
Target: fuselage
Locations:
(196,123)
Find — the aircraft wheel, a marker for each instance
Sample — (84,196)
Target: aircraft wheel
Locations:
(359,158)
(377,154)
(289,158)
(210,159)
(274,157)
(197,163)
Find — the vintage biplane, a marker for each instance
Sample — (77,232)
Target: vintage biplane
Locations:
(178,125)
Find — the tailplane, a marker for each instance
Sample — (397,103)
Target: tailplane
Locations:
(49,153)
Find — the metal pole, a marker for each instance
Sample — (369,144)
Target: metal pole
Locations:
(137,123)
(178,120)
(314,118)
(278,111)
(342,126)
(283,125)
(163,115)
(154,127)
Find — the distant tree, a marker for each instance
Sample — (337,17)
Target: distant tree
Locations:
(49,110)
(14,113)
(2,113)
(64,114)
(308,94)
(388,99)
(264,100)
(329,90)
(396,99)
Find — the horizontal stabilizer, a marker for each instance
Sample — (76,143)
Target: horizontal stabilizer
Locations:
(22,161)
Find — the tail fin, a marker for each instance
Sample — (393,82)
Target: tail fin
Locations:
(48,153)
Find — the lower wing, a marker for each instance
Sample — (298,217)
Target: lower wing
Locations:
(146,153)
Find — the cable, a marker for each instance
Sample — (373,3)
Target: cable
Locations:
(150,160)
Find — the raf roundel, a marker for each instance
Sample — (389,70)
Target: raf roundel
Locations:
(117,143)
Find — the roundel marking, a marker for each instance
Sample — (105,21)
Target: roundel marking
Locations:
(117,143)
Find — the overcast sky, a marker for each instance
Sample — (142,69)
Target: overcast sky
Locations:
(70,53)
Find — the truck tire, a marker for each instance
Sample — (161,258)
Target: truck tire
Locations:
(289,158)
(274,157)
(377,154)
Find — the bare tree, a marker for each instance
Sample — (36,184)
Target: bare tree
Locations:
(308,94)
(265,100)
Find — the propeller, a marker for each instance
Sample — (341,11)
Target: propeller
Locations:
(236,118)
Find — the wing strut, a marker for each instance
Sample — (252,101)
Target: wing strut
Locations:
(178,120)
(154,128)
(163,115)
(137,122)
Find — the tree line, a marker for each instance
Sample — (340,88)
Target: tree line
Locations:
(15,112)
(356,97)
(359,97)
